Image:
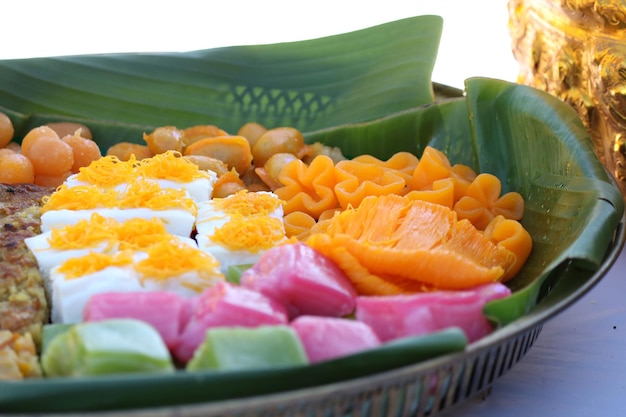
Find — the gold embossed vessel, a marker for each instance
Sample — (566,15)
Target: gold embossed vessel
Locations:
(576,50)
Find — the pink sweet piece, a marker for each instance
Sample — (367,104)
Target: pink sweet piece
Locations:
(392,317)
(305,281)
(491,292)
(160,309)
(186,311)
(327,338)
(226,305)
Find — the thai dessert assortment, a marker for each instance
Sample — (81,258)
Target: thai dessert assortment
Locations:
(207,251)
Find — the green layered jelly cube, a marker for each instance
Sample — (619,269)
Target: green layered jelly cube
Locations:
(51,331)
(106,347)
(246,348)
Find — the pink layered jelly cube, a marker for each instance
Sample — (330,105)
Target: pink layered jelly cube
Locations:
(327,338)
(226,305)
(186,311)
(490,292)
(305,281)
(398,316)
(160,309)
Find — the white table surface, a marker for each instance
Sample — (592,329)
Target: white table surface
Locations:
(577,367)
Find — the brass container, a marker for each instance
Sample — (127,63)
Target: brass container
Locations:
(576,50)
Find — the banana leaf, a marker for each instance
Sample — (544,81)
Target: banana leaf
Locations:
(572,207)
(367,92)
(351,77)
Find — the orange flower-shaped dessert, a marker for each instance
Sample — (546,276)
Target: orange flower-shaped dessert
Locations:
(512,235)
(482,202)
(441,192)
(357,180)
(298,224)
(308,188)
(403,163)
(434,166)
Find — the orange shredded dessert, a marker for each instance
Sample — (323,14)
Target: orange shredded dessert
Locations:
(401,241)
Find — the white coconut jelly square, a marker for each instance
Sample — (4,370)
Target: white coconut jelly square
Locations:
(69,296)
(198,190)
(178,222)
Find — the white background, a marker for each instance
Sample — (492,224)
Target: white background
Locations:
(475,40)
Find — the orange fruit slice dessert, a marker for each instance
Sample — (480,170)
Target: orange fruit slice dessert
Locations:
(393,244)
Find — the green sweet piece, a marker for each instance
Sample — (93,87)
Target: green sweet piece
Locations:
(51,331)
(243,348)
(233,274)
(106,347)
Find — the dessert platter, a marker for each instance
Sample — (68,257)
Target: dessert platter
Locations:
(361,116)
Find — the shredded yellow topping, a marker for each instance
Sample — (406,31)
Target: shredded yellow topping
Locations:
(248,204)
(82,197)
(141,233)
(93,262)
(252,233)
(149,194)
(85,233)
(135,233)
(109,171)
(167,259)
(140,194)
(171,166)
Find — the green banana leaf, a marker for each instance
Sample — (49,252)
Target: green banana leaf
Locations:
(351,77)
(572,206)
(367,92)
